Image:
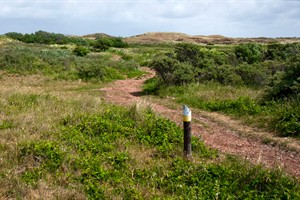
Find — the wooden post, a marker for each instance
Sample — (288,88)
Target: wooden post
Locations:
(187,117)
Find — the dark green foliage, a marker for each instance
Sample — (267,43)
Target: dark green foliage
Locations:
(249,52)
(276,67)
(189,53)
(118,42)
(171,71)
(81,51)
(192,63)
(287,118)
(279,52)
(199,57)
(223,74)
(253,75)
(285,84)
(43,37)
(104,43)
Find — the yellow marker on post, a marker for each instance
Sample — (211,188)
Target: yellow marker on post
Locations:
(187,114)
(187,118)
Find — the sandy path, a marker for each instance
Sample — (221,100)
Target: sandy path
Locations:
(216,134)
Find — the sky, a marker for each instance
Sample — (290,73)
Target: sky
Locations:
(231,18)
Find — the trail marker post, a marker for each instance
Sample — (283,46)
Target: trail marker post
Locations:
(187,117)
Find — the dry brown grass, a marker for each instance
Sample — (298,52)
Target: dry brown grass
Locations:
(159,37)
(36,121)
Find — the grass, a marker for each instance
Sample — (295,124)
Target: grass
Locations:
(240,102)
(63,64)
(61,141)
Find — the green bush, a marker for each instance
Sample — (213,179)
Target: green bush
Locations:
(249,52)
(223,74)
(172,71)
(63,64)
(199,57)
(285,84)
(43,37)
(253,75)
(81,51)
(279,51)
(102,44)
(287,118)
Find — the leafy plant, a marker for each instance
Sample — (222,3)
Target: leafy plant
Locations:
(5,124)
(285,84)
(46,155)
(249,52)
(81,51)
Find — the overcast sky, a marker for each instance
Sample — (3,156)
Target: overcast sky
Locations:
(233,18)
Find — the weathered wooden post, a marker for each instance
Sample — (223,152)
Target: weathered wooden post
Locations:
(187,117)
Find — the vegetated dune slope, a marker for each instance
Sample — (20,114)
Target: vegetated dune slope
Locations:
(158,37)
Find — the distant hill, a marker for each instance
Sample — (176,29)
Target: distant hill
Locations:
(96,35)
(158,37)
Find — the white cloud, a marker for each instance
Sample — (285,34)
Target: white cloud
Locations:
(129,17)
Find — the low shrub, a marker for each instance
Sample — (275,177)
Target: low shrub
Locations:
(81,51)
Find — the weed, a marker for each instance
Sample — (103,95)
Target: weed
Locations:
(46,155)
(5,124)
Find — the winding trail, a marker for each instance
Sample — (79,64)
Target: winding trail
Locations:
(217,131)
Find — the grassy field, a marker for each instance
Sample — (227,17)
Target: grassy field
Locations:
(60,140)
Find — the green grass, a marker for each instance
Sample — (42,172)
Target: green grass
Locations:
(99,152)
(63,142)
(59,140)
(240,102)
(63,63)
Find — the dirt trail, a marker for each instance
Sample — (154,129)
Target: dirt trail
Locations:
(218,134)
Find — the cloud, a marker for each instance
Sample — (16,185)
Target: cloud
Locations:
(130,17)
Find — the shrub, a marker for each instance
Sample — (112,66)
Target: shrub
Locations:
(278,51)
(288,123)
(43,37)
(103,44)
(81,51)
(172,72)
(223,74)
(285,84)
(249,52)
(252,75)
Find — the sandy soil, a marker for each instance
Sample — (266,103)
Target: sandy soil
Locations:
(217,131)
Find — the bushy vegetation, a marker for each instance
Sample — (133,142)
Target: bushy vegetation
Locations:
(42,37)
(273,69)
(62,63)
(103,44)
(60,141)
(106,160)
